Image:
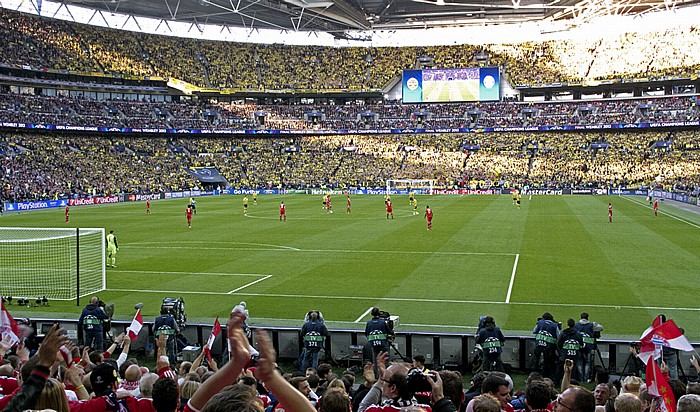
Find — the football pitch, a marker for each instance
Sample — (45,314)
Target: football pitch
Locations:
(483,257)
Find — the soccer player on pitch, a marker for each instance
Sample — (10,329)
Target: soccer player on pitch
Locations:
(193,205)
(148,207)
(389,209)
(610,212)
(112,248)
(245,205)
(329,206)
(347,208)
(429,217)
(656,207)
(255,199)
(67,213)
(283,212)
(188,214)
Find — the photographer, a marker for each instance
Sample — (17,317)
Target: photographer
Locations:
(165,325)
(546,333)
(590,331)
(314,332)
(491,340)
(91,319)
(377,332)
(637,367)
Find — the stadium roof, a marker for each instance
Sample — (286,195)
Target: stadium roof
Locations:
(342,18)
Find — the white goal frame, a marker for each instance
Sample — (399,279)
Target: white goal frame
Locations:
(59,263)
(412,183)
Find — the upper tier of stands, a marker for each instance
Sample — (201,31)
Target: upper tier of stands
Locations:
(204,115)
(53,44)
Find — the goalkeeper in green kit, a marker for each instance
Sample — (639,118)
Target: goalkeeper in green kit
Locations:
(112,248)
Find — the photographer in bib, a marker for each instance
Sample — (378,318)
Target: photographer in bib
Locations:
(314,333)
(377,332)
(590,331)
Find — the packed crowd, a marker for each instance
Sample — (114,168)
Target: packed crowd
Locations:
(48,166)
(59,110)
(44,43)
(64,377)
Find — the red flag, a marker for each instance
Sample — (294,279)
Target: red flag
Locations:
(655,324)
(669,335)
(215,331)
(647,350)
(135,327)
(9,329)
(657,385)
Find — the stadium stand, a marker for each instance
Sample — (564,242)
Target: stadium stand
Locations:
(46,167)
(52,44)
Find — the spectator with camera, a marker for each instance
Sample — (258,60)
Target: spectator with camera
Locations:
(393,386)
(165,325)
(590,331)
(491,340)
(91,319)
(546,334)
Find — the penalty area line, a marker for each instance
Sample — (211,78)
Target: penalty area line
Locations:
(146,272)
(249,284)
(512,277)
(364,314)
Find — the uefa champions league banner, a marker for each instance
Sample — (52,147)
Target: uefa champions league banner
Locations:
(35,205)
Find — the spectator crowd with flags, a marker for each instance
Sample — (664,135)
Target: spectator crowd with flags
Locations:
(63,376)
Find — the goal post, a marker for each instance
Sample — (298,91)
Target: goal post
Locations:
(61,264)
(418,186)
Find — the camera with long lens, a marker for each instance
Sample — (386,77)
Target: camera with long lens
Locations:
(417,381)
(391,322)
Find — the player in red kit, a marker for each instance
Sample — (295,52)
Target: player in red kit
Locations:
(67,213)
(347,209)
(283,212)
(429,217)
(188,213)
(328,204)
(656,207)
(148,207)
(610,212)
(389,209)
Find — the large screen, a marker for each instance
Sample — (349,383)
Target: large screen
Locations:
(451,85)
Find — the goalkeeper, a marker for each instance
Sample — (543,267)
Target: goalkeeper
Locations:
(112,248)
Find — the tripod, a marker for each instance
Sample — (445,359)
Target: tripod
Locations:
(600,358)
(398,352)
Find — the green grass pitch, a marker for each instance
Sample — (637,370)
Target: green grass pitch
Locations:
(483,256)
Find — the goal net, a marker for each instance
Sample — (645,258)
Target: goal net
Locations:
(60,264)
(417,186)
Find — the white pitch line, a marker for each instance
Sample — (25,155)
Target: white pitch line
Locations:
(512,277)
(419,300)
(364,314)
(663,213)
(191,273)
(249,284)
(290,249)
(223,243)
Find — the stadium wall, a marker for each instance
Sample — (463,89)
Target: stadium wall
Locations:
(450,350)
